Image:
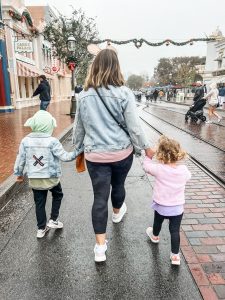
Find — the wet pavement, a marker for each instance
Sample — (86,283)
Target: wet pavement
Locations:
(212,133)
(61,265)
(208,155)
(203,226)
(12,131)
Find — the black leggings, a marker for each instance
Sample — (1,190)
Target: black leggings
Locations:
(104,175)
(174,228)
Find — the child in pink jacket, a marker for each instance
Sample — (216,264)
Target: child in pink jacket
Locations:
(168,191)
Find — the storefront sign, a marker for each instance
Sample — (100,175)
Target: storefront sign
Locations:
(23,46)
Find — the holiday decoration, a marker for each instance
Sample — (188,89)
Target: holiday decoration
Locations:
(24,17)
(55,69)
(140,42)
(55,65)
(167,43)
(71,66)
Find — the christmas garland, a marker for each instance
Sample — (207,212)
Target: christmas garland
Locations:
(167,42)
(24,17)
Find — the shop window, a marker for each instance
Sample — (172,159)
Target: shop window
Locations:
(27,87)
(32,84)
(20,80)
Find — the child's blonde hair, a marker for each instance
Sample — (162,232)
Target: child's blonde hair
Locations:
(169,151)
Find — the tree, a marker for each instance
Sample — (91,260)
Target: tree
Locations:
(84,31)
(181,70)
(135,82)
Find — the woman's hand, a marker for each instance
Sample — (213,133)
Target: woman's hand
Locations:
(19,179)
(150,152)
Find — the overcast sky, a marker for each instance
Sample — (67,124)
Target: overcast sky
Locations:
(150,19)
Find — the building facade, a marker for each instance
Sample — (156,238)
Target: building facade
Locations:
(215,59)
(30,56)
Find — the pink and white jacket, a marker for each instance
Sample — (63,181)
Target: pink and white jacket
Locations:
(169,182)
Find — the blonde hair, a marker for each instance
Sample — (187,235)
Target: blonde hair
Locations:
(169,151)
(213,85)
(104,71)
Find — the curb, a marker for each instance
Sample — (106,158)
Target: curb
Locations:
(10,187)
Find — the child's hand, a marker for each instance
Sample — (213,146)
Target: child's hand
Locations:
(150,152)
(19,179)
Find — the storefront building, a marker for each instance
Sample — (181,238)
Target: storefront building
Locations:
(30,56)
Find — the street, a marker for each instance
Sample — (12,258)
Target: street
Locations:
(62,263)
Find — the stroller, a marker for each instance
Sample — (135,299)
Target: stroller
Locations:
(195,112)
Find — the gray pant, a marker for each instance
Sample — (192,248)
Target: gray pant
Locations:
(44,105)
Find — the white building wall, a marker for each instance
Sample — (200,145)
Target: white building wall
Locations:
(211,64)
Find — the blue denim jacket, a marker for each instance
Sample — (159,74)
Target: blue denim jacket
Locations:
(94,128)
(40,154)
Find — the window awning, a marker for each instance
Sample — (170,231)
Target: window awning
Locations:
(27,70)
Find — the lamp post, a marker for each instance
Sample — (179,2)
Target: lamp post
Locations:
(71,42)
(5,99)
(170,77)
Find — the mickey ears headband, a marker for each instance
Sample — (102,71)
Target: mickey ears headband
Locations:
(95,49)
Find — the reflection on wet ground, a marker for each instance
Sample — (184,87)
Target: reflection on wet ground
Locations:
(213,133)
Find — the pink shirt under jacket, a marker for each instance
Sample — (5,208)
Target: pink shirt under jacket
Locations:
(169,182)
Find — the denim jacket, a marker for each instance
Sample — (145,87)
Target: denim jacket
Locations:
(40,154)
(95,129)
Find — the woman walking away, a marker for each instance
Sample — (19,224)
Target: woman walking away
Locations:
(107,129)
(212,98)
(168,192)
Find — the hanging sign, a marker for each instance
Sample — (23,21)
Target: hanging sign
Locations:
(23,46)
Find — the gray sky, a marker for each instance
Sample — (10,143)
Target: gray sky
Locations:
(150,19)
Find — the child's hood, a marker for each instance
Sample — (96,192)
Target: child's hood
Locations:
(42,121)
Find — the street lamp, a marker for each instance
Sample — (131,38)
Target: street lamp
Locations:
(71,43)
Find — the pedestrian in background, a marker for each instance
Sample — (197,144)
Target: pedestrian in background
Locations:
(161,94)
(221,96)
(199,91)
(168,192)
(213,101)
(44,91)
(40,154)
(107,129)
(155,94)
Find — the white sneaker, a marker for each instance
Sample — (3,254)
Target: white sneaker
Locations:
(55,224)
(154,239)
(219,119)
(116,218)
(175,259)
(208,122)
(99,251)
(41,232)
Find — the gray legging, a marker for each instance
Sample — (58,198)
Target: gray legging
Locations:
(104,175)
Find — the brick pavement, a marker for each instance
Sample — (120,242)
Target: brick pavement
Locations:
(202,236)
(203,233)
(12,131)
